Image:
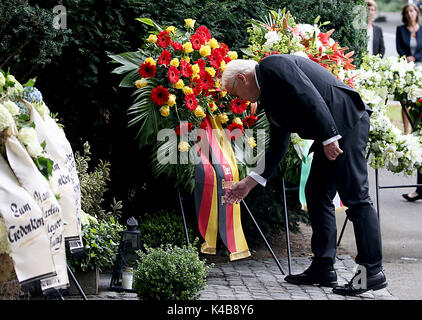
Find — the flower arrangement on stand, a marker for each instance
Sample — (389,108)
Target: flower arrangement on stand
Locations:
(375,79)
(387,146)
(177,77)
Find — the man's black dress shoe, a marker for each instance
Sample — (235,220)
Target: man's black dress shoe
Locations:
(375,282)
(411,199)
(311,276)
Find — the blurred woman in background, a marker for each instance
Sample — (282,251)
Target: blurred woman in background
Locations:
(409,44)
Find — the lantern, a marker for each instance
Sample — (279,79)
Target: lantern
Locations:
(126,259)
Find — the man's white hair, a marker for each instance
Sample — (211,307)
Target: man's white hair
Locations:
(233,68)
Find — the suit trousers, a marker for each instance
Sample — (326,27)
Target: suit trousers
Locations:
(349,177)
(419,181)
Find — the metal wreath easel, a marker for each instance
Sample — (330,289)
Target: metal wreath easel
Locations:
(256,225)
(378,187)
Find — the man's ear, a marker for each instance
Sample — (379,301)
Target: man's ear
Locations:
(241,77)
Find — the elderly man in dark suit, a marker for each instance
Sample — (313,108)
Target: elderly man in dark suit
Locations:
(301,96)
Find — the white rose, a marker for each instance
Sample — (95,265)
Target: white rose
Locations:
(272,37)
(27,136)
(12,107)
(6,119)
(34,149)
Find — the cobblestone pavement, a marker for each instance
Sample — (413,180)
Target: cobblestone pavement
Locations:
(262,280)
(259,280)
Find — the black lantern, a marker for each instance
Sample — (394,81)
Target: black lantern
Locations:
(126,258)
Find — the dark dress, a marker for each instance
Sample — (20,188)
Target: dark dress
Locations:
(378,46)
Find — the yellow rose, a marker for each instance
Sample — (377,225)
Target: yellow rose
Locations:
(251,142)
(213,43)
(174,62)
(172,100)
(223,117)
(151,61)
(187,47)
(217,84)
(199,112)
(211,71)
(195,69)
(179,84)
(223,94)
(171,29)
(183,146)
(238,121)
(187,59)
(141,83)
(187,90)
(232,55)
(189,23)
(152,38)
(223,65)
(165,111)
(205,51)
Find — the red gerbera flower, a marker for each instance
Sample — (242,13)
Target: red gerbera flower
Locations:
(205,81)
(173,74)
(160,95)
(215,58)
(183,127)
(235,130)
(201,64)
(249,121)
(197,89)
(177,46)
(197,41)
(164,58)
(191,102)
(163,39)
(147,70)
(238,105)
(186,69)
(204,32)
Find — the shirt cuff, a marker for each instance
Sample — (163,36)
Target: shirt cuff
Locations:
(337,137)
(262,181)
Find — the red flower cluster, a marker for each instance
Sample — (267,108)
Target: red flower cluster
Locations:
(147,70)
(249,121)
(160,95)
(191,85)
(236,130)
(163,39)
(238,105)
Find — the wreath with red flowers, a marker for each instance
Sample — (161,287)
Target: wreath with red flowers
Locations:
(177,77)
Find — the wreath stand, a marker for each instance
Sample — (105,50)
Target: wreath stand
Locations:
(256,225)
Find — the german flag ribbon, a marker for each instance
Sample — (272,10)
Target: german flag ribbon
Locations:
(212,178)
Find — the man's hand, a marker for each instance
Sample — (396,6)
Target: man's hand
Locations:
(240,190)
(410,58)
(332,150)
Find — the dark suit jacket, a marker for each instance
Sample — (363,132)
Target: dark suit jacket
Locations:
(301,96)
(403,42)
(378,46)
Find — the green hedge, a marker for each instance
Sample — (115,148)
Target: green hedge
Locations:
(76,81)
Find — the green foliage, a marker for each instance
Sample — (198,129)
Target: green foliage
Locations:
(170,273)
(93,184)
(101,242)
(163,227)
(28,41)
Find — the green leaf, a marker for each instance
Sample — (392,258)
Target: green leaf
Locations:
(30,82)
